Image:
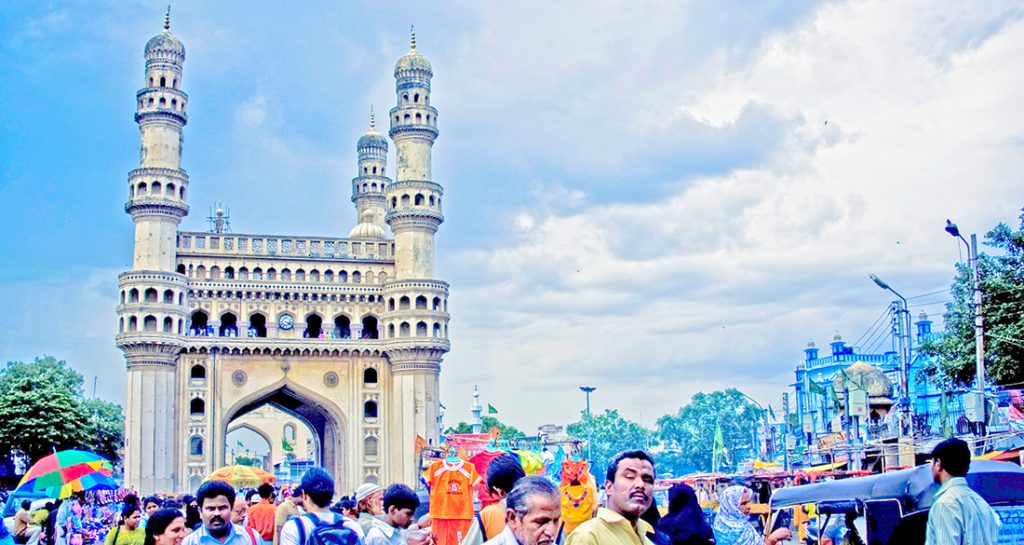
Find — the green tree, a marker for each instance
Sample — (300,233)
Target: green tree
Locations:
(42,373)
(1002,287)
(42,410)
(106,428)
(507,431)
(35,422)
(609,434)
(688,435)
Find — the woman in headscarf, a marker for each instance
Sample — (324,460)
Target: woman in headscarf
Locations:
(732,524)
(685,523)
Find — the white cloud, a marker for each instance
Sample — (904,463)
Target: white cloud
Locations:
(252,113)
(891,118)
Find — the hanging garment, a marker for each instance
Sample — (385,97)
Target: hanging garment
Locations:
(579,502)
(531,462)
(481,461)
(451,499)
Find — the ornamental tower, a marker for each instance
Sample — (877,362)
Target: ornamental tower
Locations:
(152,309)
(370,182)
(417,311)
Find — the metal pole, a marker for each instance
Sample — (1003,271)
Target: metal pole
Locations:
(785,430)
(979,334)
(590,424)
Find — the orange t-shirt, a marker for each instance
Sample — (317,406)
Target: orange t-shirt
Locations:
(451,489)
(261,519)
(493,519)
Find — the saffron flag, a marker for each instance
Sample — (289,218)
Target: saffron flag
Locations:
(491,409)
(421,444)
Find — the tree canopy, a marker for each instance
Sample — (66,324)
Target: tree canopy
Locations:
(489,422)
(609,433)
(689,435)
(1002,287)
(42,410)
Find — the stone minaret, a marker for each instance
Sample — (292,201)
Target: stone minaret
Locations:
(370,182)
(416,303)
(152,309)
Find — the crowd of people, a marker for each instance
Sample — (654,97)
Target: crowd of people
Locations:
(526,510)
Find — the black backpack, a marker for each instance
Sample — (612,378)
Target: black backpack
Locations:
(326,533)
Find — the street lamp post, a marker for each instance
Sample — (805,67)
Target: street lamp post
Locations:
(979,329)
(904,357)
(587,390)
(757,439)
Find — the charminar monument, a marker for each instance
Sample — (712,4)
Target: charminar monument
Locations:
(345,333)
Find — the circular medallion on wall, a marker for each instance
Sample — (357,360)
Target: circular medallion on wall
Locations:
(331,378)
(239,377)
(286,322)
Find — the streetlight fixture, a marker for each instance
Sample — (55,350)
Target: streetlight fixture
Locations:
(979,323)
(590,425)
(904,357)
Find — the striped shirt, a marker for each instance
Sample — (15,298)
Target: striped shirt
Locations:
(960,516)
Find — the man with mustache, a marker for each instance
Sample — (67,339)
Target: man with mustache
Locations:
(630,489)
(215,500)
(533,514)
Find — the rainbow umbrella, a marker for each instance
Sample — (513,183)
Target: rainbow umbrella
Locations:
(63,473)
(241,476)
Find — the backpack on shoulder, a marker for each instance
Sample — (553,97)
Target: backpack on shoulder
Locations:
(326,533)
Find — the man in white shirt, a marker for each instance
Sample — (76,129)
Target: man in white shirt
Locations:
(317,493)
(400,503)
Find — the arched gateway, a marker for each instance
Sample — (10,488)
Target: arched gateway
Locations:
(304,324)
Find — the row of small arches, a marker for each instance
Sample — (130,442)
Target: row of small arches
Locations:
(161,103)
(405,303)
(417,200)
(285,274)
(404,329)
(199,325)
(151,295)
(157,189)
(286,296)
(409,118)
(163,82)
(150,323)
(370,445)
(415,98)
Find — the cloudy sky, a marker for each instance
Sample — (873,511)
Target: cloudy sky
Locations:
(654,198)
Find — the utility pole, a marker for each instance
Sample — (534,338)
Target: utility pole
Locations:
(785,430)
(979,336)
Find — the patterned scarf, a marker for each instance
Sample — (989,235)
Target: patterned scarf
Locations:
(732,526)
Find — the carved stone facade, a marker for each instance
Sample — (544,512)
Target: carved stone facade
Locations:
(346,334)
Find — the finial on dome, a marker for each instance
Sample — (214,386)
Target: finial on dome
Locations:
(412,31)
(373,118)
(167,18)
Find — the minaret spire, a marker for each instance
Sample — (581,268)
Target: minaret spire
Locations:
(412,31)
(167,19)
(373,119)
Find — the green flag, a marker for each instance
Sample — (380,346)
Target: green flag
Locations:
(849,379)
(285,446)
(491,409)
(240,445)
(771,411)
(719,440)
(815,388)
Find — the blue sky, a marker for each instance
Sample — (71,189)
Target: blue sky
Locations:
(655,198)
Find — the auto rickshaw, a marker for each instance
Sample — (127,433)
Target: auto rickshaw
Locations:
(892,508)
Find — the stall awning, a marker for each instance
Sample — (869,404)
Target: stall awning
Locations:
(824,467)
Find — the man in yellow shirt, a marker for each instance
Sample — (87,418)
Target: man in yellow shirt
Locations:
(630,490)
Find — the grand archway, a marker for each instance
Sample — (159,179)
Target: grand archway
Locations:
(318,414)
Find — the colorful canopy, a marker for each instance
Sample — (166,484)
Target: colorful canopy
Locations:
(63,473)
(241,476)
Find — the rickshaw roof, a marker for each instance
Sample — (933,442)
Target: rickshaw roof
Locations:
(997,482)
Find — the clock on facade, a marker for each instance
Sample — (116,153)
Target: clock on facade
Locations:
(285,322)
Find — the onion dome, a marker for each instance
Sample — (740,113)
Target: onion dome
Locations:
(165,41)
(413,60)
(372,138)
(879,387)
(368,229)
